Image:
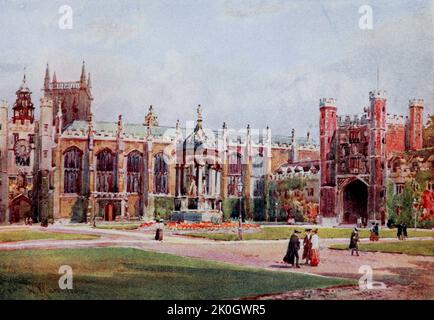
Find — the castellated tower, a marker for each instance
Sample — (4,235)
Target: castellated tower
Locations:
(73,97)
(377,152)
(44,170)
(415,124)
(46,134)
(327,125)
(4,216)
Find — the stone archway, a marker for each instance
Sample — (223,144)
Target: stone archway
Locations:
(109,212)
(20,209)
(354,202)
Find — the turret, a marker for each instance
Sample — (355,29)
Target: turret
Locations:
(46,133)
(415,124)
(377,152)
(327,126)
(4,212)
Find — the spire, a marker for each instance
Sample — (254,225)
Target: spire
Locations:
(199,117)
(89,83)
(83,74)
(54,77)
(47,77)
(23,86)
(292,135)
(151,119)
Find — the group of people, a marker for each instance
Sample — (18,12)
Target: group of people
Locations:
(310,248)
(401,232)
(375,232)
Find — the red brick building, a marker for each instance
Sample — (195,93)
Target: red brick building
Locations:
(353,157)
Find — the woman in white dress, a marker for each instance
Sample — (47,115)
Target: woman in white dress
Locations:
(314,260)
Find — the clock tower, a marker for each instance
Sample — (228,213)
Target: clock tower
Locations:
(23,107)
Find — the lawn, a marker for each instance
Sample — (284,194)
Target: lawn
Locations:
(277,233)
(22,235)
(416,247)
(127,273)
(126,226)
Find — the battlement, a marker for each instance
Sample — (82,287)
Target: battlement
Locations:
(377,94)
(327,102)
(64,85)
(395,119)
(46,102)
(3,104)
(352,120)
(416,103)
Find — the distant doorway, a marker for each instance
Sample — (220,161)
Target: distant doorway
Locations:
(109,212)
(355,202)
(20,209)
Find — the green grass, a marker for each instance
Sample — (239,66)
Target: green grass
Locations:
(277,233)
(416,247)
(23,235)
(127,273)
(128,226)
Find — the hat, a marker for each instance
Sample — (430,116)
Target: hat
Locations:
(161,220)
(355,229)
(308,229)
(296,231)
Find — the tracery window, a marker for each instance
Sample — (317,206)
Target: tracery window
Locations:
(258,172)
(106,166)
(72,164)
(235,175)
(134,171)
(160,174)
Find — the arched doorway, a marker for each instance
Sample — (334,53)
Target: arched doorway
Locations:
(109,212)
(355,202)
(20,209)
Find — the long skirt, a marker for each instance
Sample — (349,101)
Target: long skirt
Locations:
(314,259)
(159,234)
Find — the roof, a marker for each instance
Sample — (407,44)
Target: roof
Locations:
(140,131)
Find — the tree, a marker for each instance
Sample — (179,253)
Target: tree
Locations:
(428,133)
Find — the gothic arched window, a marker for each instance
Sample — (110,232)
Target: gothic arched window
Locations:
(160,174)
(106,166)
(72,164)
(258,173)
(134,171)
(235,174)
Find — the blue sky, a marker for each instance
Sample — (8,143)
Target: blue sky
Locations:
(251,61)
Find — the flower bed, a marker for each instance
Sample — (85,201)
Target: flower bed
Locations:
(208,226)
(147,224)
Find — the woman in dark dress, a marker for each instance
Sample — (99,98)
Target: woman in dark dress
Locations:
(404,231)
(354,241)
(399,231)
(292,252)
(307,246)
(159,232)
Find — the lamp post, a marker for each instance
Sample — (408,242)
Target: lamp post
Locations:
(275,211)
(415,212)
(240,215)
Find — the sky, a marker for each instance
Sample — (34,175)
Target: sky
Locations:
(257,62)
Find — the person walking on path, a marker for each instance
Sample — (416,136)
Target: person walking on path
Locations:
(291,256)
(404,231)
(159,231)
(307,246)
(314,260)
(354,241)
(376,232)
(399,231)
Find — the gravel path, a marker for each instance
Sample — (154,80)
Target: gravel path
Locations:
(404,276)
